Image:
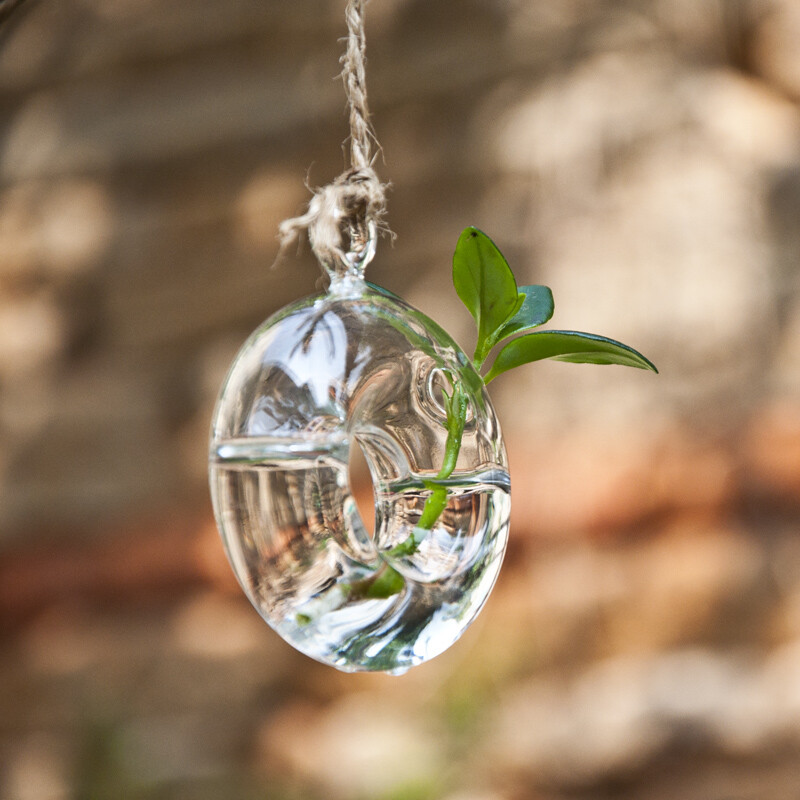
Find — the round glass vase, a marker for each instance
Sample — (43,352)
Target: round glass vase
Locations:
(358,366)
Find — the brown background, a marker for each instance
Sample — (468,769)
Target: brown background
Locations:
(642,158)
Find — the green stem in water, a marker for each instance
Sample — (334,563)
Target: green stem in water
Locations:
(387,581)
(436,502)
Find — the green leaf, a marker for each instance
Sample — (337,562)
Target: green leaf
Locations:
(579,348)
(486,286)
(537,307)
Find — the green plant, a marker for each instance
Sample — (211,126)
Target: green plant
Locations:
(506,314)
(486,286)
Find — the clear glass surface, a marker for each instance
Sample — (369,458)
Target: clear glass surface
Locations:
(357,365)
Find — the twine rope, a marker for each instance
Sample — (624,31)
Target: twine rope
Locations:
(354,204)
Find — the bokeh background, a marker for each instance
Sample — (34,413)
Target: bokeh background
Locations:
(641,157)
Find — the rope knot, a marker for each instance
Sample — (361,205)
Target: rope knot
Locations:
(342,209)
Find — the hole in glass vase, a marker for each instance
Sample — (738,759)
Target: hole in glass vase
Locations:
(431,385)
(361,486)
(437,383)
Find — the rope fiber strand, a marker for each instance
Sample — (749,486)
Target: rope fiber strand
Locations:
(354,204)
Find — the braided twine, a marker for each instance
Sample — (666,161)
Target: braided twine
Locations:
(354,204)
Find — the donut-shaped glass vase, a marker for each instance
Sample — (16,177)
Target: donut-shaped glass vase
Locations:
(358,366)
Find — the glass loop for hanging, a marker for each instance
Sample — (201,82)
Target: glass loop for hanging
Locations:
(359,258)
(347,273)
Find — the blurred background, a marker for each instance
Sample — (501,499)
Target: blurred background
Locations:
(641,157)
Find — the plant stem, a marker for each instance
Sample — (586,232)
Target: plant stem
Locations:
(436,502)
(387,580)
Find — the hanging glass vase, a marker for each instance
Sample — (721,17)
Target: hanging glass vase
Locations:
(359,367)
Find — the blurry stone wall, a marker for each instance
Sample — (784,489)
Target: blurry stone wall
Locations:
(641,157)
